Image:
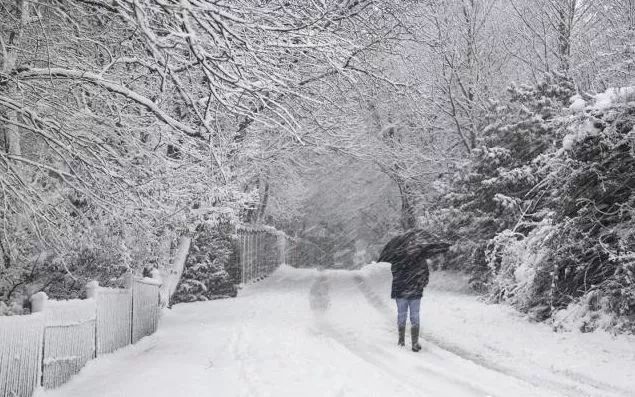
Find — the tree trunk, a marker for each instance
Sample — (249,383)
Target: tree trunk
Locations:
(566,18)
(264,201)
(9,63)
(408,219)
(256,213)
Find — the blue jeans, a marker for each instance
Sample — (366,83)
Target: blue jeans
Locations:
(403,305)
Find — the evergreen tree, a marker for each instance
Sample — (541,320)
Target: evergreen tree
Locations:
(491,192)
(208,266)
(594,249)
(543,213)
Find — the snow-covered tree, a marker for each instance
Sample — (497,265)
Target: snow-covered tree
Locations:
(130,117)
(593,251)
(493,191)
(207,268)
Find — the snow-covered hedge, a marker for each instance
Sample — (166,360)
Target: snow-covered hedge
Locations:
(543,215)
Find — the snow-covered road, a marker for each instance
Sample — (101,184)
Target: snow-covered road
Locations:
(331,333)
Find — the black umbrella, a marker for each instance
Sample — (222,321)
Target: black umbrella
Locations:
(410,244)
(397,248)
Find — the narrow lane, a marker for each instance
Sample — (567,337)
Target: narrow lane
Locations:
(299,332)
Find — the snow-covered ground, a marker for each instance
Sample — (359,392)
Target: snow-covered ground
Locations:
(331,333)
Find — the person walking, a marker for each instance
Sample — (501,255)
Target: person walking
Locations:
(408,254)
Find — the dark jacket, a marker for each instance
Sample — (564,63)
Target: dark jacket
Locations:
(410,276)
(408,256)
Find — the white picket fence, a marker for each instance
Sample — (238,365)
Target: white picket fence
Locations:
(49,346)
(20,354)
(54,343)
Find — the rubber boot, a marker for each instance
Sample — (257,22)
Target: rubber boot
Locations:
(414,333)
(402,336)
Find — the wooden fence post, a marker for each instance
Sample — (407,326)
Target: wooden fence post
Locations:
(91,289)
(250,249)
(38,302)
(242,257)
(258,256)
(247,256)
(130,286)
(156,275)
(91,293)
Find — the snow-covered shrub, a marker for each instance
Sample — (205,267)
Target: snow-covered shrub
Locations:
(543,215)
(520,266)
(495,189)
(93,246)
(594,252)
(210,261)
(584,272)
(590,312)
(14,309)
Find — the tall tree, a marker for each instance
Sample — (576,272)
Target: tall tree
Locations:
(132,114)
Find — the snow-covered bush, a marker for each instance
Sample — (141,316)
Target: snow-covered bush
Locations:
(210,261)
(494,191)
(14,309)
(520,266)
(594,253)
(543,215)
(102,249)
(590,312)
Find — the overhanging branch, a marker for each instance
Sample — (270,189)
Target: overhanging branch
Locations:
(93,78)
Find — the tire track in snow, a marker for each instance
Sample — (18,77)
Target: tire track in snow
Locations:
(319,300)
(239,353)
(600,389)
